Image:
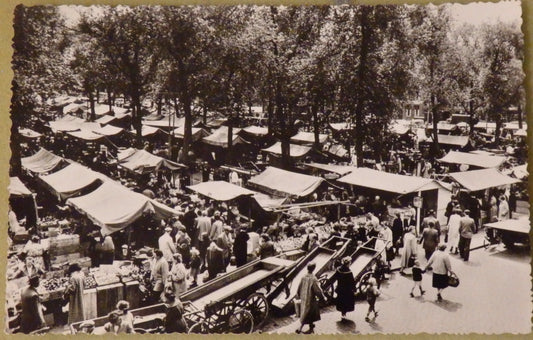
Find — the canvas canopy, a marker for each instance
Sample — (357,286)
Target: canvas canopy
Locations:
(399,129)
(220,190)
(136,159)
(340,126)
(66,123)
(485,125)
(444,126)
(268,203)
(521,133)
(165,122)
(73,107)
(520,171)
(295,150)
(479,160)
(42,161)
(285,183)
(102,109)
(149,131)
(421,135)
(108,130)
(514,126)
(334,168)
(521,225)
(105,119)
(17,188)
(256,130)
(460,141)
(220,137)
(29,133)
(70,180)
(385,181)
(308,138)
(337,150)
(114,207)
(476,180)
(196,133)
(86,135)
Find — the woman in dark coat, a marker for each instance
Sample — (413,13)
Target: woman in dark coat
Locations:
(308,292)
(345,300)
(174,321)
(240,247)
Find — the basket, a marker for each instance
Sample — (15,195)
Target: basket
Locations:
(453,280)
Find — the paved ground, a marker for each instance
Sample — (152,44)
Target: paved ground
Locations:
(494,297)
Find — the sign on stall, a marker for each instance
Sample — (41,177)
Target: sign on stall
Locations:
(417,202)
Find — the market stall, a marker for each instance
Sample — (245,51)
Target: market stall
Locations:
(219,137)
(285,183)
(71,180)
(474,160)
(41,162)
(308,138)
(477,180)
(140,161)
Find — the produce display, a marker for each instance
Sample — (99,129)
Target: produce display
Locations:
(54,284)
(103,279)
(89,282)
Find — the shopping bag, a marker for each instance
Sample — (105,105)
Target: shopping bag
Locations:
(297,306)
(453,280)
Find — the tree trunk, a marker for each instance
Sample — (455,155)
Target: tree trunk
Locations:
(92,113)
(519,114)
(204,117)
(434,114)
(229,152)
(497,132)
(270,114)
(159,104)
(316,126)
(109,100)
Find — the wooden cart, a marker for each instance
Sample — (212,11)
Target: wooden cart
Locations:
(324,257)
(509,232)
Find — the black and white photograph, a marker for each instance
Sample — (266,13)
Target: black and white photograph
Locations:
(275,169)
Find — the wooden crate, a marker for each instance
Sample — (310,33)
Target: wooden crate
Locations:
(108,296)
(90,303)
(132,294)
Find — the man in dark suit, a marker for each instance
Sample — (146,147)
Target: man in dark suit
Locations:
(466,230)
(32,317)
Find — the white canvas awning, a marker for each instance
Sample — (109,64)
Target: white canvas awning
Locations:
(334,168)
(308,138)
(86,135)
(196,133)
(341,126)
(29,133)
(476,180)
(285,183)
(137,159)
(220,190)
(219,137)
(166,122)
(42,161)
(17,188)
(256,130)
(460,141)
(479,160)
(71,180)
(385,181)
(108,130)
(295,150)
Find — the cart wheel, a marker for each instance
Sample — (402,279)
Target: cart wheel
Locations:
(361,285)
(221,315)
(199,328)
(329,292)
(241,322)
(258,306)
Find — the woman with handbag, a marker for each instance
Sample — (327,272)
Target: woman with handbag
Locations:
(440,262)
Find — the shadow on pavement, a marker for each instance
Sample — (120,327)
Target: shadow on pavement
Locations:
(448,305)
(375,326)
(518,254)
(346,326)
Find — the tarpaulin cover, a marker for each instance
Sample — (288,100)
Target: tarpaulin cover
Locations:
(220,190)
(308,138)
(421,135)
(443,126)
(165,122)
(337,150)
(521,133)
(514,126)
(105,119)
(42,161)
(341,126)
(17,188)
(485,125)
(196,133)
(73,107)
(134,159)
(29,133)
(102,109)
(461,141)
(385,181)
(256,130)
(399,129)
(114,207)
(66,123)
(268,203)
(482,161)
(108,130)
(295,150)
(334,168)
(219,137)
(476,180)
(282,182)
(148,131)
(521,225)
(70,180)
(86,135)
(520,171)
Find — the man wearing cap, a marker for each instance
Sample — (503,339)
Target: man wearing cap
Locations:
(216,226)
(430,218)
(466,230)
(31,317)
(224,242)
(166,244)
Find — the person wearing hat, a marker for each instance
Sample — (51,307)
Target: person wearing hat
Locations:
(31,316)
(159,274)
(453,230)
(123,308)
(441,266)
(430,218)
(397,233)
(225,242)
(174,321)
(216,227)
(410,249)
(345,300)
(203,224)
(107,250)
(240,247)
(188,220)
(215,260)
(35,252)
(178,275)
(87,327)
(114,324)
(429,239)
(166,244)
(266,247)
(196,263)
(466,231)
(308,291)
(74,290)
(503,209)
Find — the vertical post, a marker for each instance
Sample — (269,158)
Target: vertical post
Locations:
(418,169)
(129,241)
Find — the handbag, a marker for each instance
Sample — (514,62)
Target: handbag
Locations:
(411,261)
(453,280)
(297,307)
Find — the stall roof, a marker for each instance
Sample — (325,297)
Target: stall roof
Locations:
(114,207)
(399,129)
(514,126)
(86,135)
(482,161)
(296,150)
(476,180)
(102,109)
(219,137)
(337,150)
(105,119)
(256,130)
(461,141)
(29,133)
(520,171)
(17,188)
(338,169)
(108,130)
(340,126)
(485,125)
(444,126)
(421,135)
(220,190)
(197,133)
(520,133)
(66,123)
(385,181)
(42,161)
(135,159)
(165,122)
(268,203)
(148,131)
(519,225)
(70,180)
(282,182)
(308,138)
(73,107)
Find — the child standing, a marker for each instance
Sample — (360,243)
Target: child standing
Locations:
(372,292)
(196,262)
(417,278)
